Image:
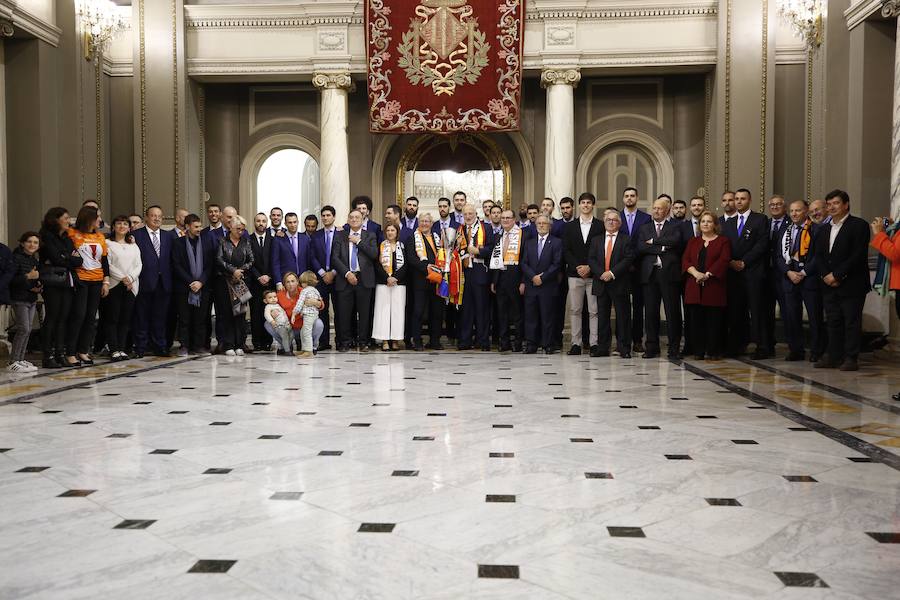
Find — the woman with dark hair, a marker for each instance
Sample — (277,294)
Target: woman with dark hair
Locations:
(91,285)
(23,291)
(58,262)
(124,259)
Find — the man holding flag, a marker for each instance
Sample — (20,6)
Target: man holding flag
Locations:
(474,244)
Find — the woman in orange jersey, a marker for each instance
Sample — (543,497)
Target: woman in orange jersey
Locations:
(92,283)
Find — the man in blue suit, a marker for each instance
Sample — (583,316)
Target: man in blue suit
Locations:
(632,221)
(291,252)
(155,290)
(411,214)
(320,257)
(540,265)
(476,243)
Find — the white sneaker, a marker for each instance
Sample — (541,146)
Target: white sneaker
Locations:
(17,367)
(28,366)
(230,353)
(239,352)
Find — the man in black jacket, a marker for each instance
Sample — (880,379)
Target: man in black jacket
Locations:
(748,232)
(192,283)
(353,256)
(421,256)
(610,258)
(577,238)
(660,244)
(841,249)
(506,281)
(261,242)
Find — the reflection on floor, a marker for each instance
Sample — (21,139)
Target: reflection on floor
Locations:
(459,475)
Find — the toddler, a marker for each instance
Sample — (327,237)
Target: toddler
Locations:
(308,306)
(277,322)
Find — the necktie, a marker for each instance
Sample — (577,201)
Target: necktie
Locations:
(155,240)
(776,224)
(540,247)
(294,244)
(741,225)
(609,247)
(795,246)
(658,229)
(630,217)
(505,244)
(696,229)
(327,250)
(354,260)
(261,240)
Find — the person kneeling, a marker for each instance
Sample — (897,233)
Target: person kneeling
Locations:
(277,323)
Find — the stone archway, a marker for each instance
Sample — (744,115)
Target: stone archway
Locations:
(255,158)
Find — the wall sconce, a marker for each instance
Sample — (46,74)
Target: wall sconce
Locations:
(806,17)
(100,21)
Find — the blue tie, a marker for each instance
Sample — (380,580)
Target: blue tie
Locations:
(327,250)
(540,247)
(354,261)
(741,225)
(630,222)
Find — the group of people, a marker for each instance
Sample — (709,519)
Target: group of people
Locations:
(500,279)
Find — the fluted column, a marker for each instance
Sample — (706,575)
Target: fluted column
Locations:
(891,9)
(334,162)
(559,147)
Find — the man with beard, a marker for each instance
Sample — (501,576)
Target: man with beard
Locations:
(410,217)
(459,203)
(632,221)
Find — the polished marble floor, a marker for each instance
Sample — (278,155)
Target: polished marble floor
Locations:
(459,475)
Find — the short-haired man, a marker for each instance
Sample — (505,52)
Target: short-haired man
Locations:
(459,203)
(474,243)
(214,217)
(155,289)
(193,261)
(445,220)
(577,239)
(136,221)
(495,219)
(772,291)
(276,216)
(540,265)
(486,209)
(320,260)
(690,228)
(679,208)
(421,256)
(364,205)
(841,261)
(557,229)
(261,242)
(180,214)
(310,225)
(353,255)
(632,220)
(609,258)
(728,208)
(410,213)
(506,282)
(290,253)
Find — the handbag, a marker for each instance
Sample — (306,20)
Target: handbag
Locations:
(53,276)
(434,276)
(240,296)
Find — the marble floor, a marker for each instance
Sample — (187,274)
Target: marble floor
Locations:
(452,475)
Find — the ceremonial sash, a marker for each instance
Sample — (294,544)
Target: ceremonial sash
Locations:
(386,251)
(513,249)
(419,241)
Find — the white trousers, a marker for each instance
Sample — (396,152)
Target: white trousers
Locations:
(390,312)
(578,288)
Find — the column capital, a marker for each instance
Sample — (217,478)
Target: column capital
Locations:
(6,28)
(891,9)
(560,77)
(332,80)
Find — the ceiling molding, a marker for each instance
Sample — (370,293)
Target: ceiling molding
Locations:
(636,11)
(27,22)
(117,67)
(861,10)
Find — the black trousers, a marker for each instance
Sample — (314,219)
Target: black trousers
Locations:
(539,320)
(509,314)
(430,306)
(795,298)
(772,296)
(57,305)
(744,311)
(192,332)
(83,318)
(637,307)
(115,315)
(661,290)
(151,310)
(261,338)
(706,322)
(327,293)
(354,308)
(475,313)
(843,316)
(605,303)
(561,310)
(687,328)
(234,333)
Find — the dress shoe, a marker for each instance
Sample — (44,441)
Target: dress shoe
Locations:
(714,357)
(595,351)
(896,397)
(49,363)
(849,364)
(503,348)
(530,349)
(517,348)
(344,348)
(437,347)
(794,356)
(464,347)
(363,347)
(550,350)
(637,347)
(419,348)
(699,356)
(674,356)
(623,355)
(759,355)
(575,350)
(825,363)
(324,347)
(141,354)
(162,353)
(814,358)
(486,348)
(87,361)
(651,354)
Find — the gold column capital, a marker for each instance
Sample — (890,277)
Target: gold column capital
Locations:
(560,77)
(332,80)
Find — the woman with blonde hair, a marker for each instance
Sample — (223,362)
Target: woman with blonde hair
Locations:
(234,260)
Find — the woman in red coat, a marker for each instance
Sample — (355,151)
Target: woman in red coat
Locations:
(705,261)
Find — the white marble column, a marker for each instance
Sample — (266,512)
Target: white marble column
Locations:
(559,147)
(334,162)
(891,9)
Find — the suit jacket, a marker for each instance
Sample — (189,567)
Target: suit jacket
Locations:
(575,248)
(714,290)
(529,231)
(319,259)
(620,263)
(847,259)
(774,238)
(283,259)
(807,263)
(547,266)
(436,226)
(262,255)
(667,246)
(752,246)
(372,227)
(640,217)
(155,269)
(478,274)
(367,256)
(511,276)
(416,271)
(181,266)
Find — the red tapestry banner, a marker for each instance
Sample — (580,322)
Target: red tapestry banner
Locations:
(444,66)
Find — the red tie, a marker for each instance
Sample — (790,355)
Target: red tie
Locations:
(609,246)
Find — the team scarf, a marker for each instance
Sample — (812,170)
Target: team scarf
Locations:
(513,250)
(419,241)
(386,252)
(805,240)
(466,238)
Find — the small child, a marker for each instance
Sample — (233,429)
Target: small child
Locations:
(277,320)
(308,306)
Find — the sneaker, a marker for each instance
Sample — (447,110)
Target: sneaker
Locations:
(28,366)
(239,352)
(230,353)
(17,367)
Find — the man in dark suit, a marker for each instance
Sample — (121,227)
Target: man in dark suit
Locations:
(540,264)
(475,243)
(446,219)
(660,245)
(152,303)
(364,205)
(578,235)
(610,257)
(749,235)
(291,252)
(506,281)
(558,229)
(353,256)
(410,214)
(794,266)
(320,259)
(276,217)
(193,261)
(261,242)
(632,220)
(214,216)
(421,256)
(728,209)
(772,292)
(842,263)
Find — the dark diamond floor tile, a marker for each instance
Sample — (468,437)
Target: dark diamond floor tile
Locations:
(882,537)
(503,406)
(437,414)
(217,471)
(51,412)
(502,454)
(627,406)
(376,528)
(212,566)
(561,398)
(260,404)
(143,402)
(269,437)
(3,450)
(498,571)
(746,442)
(860,459)
(582,440)
(597,475)
(626,532)
(286,496)
(799,428)
(423,438)
(331,452)
(32,469)
(722,502)
(801,478)
(797,579)
(80,422)
(678,457)
(179,412)
(121,436)
(707,417)
(76,493)
(135,524)
(220,423)
(500,498)
(405,474)
(360,424)
(164,451)
(569,416)
(501,426)
(306,413)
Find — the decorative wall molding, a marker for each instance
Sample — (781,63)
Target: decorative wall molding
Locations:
(21,19)
(255,158)
(560,34)
(255,125)
(637,11)
(861,10)
(625,58)
(560,77)
(271,16)
(114,67)
(790,55)
(655,81)
(663,164)
(261,67)
(331,40)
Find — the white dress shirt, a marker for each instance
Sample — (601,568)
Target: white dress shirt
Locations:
(835,229)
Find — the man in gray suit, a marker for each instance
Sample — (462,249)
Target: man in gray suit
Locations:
(353,256)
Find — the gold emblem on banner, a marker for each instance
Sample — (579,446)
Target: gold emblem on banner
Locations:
(443,48)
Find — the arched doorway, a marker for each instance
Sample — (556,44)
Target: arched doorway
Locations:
(288,178)
(437,166)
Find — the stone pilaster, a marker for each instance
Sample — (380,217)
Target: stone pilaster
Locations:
(334,167)
(559,162)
